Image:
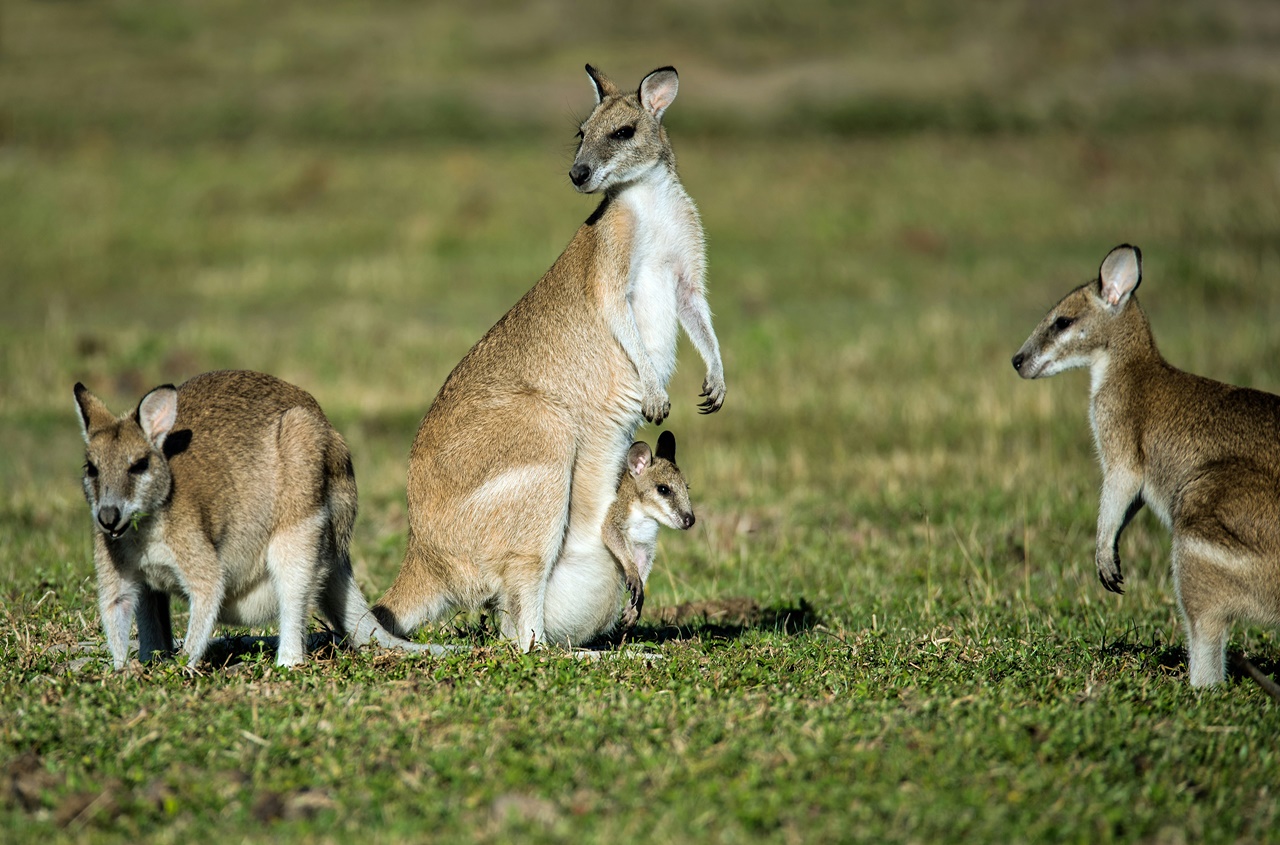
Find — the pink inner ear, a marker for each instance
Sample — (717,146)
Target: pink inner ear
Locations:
(638,467)
(158,413)
(660,100)
(659,95)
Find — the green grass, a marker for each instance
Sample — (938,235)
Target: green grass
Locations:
(348,196)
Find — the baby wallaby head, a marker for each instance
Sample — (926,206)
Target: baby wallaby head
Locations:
(1087,321)
(661,491)
(126,472)
(623,137)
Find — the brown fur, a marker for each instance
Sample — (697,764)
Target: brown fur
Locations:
(233,491)
(1204,455)
(515,463)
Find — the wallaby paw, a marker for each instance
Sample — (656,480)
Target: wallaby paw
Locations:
(656,407)
(712,394)
(190,668)
(632,614)
(1109,573)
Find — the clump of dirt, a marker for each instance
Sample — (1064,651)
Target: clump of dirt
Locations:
(735,610)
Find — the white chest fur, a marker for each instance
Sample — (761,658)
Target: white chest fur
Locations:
(668,248)
(642,538)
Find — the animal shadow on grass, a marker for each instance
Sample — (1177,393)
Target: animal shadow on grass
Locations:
(717,619)
(1173,659)
(222,653)
(710,619)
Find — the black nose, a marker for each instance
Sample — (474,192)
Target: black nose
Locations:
(108,517)
(579,174)
(1017,361)
(689,520)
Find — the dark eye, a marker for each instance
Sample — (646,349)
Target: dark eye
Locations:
(623,134)
(1062,323)
(664,490)
(140,466)
(90,470)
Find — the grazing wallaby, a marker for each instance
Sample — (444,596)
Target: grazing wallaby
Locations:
(234,491)
(1205,456)
(653,491)
(516,462)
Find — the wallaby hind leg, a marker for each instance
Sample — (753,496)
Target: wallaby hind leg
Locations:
(294,564)
(522,613)
(526,574)
(1204,594)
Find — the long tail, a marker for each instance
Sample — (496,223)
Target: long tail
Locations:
(347,604)
(1263,680)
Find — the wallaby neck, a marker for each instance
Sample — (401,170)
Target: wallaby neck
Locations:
(659,182)
(1129,347)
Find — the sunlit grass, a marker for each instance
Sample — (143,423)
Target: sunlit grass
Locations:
(932,658)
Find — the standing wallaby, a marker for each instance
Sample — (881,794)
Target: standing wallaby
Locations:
(653,491)
(516,462)
(234,491)
(1205,456)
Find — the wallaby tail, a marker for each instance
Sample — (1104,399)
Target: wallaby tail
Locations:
(344,501)
(1244,666)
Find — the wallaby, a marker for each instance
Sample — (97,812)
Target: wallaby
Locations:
(652,491)
(516,462)
(234,491)
(1205,456)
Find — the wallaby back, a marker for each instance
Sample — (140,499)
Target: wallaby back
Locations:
(1202,454)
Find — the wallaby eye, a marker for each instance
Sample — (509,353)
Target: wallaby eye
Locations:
(623,134)
(1063,323)
(90,470)
(140,466)
(664,490)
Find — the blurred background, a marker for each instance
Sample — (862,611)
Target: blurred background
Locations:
(348,194)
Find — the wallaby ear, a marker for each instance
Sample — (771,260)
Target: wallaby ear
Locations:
(667,446)
(157,412)
(93,413)
(603,85)
(658,90)
(1120,274)
(638,458)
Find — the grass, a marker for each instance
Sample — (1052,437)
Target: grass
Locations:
(348,197)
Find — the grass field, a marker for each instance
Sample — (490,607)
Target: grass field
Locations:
(347,195)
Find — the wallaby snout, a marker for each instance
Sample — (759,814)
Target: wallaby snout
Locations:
(109,520)
(579,174)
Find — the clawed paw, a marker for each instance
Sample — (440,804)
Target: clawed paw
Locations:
(656,407)
(632,614)
(712,394)
(1110,576)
